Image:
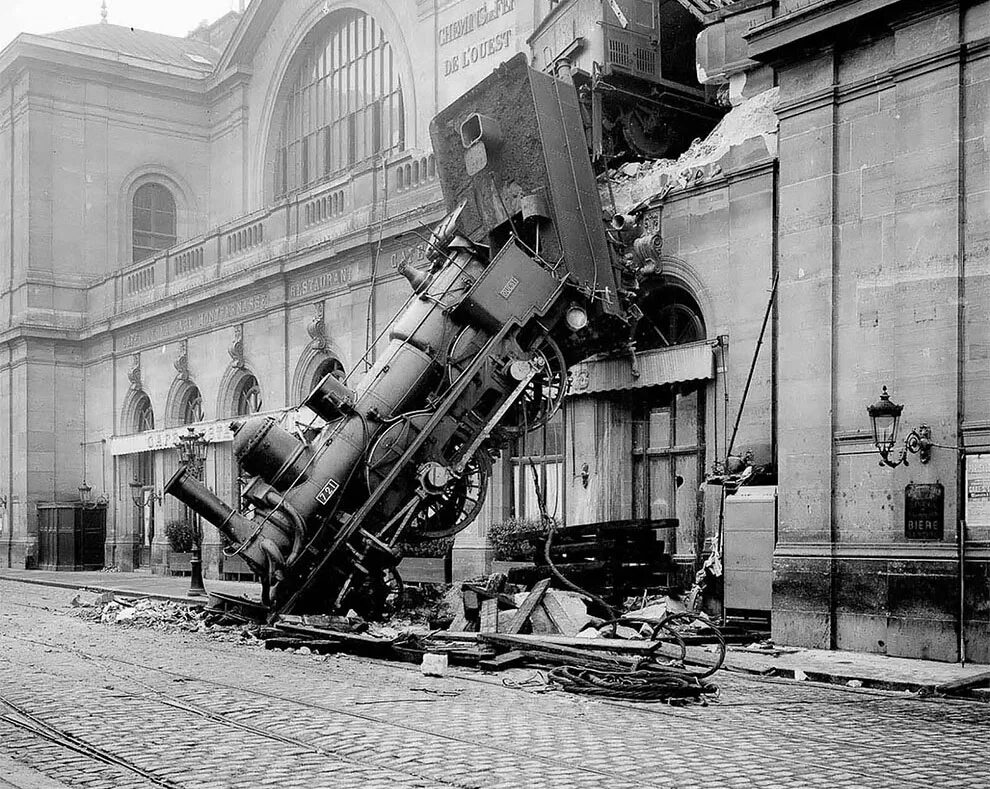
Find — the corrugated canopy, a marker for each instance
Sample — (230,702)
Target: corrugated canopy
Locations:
(689,362)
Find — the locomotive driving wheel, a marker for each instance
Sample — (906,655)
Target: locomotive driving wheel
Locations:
(449,501)
(445,513)
(542,397)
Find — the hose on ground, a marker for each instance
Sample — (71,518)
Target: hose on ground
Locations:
(645,685)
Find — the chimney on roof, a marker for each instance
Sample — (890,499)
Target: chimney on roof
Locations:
(103,13)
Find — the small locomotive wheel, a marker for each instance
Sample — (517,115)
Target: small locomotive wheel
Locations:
(541,399)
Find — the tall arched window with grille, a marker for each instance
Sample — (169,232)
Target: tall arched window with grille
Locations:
(144,416)
(344,104)
(247,397)
(152,221)
(191,410)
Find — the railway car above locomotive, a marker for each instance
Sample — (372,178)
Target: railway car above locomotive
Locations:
(519,283)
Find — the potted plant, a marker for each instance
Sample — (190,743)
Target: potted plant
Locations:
(426,561)
(181,537)
(514,542)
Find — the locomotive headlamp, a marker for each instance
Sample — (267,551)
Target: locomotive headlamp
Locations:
(576,317)
(885,416)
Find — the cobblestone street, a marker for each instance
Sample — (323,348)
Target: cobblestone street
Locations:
(145,708)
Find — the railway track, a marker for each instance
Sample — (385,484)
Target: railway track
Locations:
(149,693)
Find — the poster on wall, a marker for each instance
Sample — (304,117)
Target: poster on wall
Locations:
(978,490)
(924,512)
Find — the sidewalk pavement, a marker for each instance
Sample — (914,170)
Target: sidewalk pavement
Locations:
(136,584)
(870,670)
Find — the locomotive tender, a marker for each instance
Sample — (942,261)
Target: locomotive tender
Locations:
(521,282)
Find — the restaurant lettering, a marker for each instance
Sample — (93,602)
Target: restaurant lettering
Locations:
(320,283)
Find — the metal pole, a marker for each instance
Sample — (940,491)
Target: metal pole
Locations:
(196,588)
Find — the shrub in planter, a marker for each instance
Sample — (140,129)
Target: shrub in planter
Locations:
(511,539)
(181,536)
(426,549)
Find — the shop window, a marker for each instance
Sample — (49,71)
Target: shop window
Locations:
(344,105)
(191,410)
(537,460)
(152,221)
(247,398)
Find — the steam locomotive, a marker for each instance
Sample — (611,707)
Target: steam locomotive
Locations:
(521,281)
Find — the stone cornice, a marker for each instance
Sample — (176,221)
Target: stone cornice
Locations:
(768,39)
(107,66)
(919,551)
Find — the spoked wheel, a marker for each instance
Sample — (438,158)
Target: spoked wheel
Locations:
(447,513)
(541,398)
(452,504)
(390,445)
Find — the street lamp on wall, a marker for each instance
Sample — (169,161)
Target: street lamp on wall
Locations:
(191,447)
(885,417)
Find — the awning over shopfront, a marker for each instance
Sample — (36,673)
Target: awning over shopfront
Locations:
(614,372)
(215,432)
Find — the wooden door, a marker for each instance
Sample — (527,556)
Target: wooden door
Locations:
(668,449)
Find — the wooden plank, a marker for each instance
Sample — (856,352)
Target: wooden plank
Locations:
(540,621)
(594,644)
(505,660)
(965,683)
(558,616)
(531,601)
(317,646)
(504,600)
(542,645)
(489,616)
(460,623)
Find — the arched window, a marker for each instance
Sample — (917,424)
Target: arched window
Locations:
(329,366)
(152,221)
(144,416)
(344,106)
(671,316)
(191,410)
(247,398)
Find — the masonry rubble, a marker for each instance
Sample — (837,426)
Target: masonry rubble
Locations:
(635,183)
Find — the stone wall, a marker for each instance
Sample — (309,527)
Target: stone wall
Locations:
(882,185)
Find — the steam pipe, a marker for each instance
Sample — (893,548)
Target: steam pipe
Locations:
(231,524)
(298,527)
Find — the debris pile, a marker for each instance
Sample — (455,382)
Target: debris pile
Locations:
(635,183)
(639,656)
(112,609)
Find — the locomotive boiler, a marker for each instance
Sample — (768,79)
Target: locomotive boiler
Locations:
(520,282)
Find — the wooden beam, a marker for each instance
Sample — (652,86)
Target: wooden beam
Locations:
(531,601)
(489,616)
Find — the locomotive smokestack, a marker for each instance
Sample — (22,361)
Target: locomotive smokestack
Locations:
(195,495)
